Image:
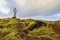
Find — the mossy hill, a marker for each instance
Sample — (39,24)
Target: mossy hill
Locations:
(29,29)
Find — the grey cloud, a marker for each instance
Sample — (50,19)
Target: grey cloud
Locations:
(37,7)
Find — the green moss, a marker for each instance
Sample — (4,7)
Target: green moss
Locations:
(8,28)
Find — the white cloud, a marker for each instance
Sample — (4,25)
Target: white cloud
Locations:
(37,7)
(4,7)
(58,14)
(4,10)
(2,17)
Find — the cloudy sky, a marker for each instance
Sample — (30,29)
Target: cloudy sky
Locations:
(36,9)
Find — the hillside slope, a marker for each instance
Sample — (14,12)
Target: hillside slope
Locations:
(29,29)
